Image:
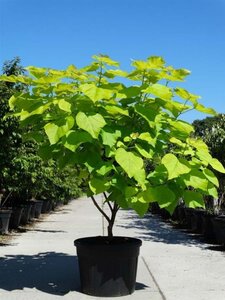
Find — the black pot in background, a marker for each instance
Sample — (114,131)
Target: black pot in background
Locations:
(32,210)
(154,208)
(165,214)
(196,220)
(46,206)
(38,208)
(4,220)
(108,267)
(26,213)
(188,216)
(181,215)
(207,228)
(15,217)
(175,214)
(219,229)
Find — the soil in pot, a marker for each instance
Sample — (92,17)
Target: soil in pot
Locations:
(4,220)
(108,267)
(15,217)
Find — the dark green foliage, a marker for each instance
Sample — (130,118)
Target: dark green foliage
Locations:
(212,131)
(23,174)
(10,134)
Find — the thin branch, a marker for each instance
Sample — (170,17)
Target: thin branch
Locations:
(100,74)
(106,199)
(115,206)
(7,197)
(105,196)
(184,112)
(99,208)
(110,206)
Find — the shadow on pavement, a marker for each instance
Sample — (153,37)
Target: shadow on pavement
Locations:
(152,228)
(50,272)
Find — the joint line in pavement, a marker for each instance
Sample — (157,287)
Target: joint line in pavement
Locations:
(153,278)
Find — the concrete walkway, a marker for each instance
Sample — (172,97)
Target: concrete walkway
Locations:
(42,264)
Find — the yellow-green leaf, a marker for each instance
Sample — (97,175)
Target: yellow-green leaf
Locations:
(193,199)
(95,93)
(92,124)
(64,105)
(206,110)
(99,185)
(174,167)
(132,164)
(160,91)
(55,132)
(217,165)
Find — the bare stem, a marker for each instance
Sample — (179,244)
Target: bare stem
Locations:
(99,208)
(100,75)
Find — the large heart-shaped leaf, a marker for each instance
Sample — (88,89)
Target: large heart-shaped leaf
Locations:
(174,167)
(92,124)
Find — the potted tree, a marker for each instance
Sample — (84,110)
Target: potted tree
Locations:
(128,142)
(5,212)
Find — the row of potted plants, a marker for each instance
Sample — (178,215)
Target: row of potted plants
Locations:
(201,221)
(24,213)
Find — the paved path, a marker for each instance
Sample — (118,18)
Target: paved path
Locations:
(41,263)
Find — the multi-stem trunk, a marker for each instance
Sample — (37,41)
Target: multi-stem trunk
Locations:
(110,219)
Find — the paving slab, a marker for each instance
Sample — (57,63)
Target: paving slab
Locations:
(41,263)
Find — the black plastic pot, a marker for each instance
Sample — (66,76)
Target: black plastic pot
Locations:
(196,220)
(32,210)
(108,267)
(165,214)
(26,213)
(181,215)
(219,229)
(15,217)
(207,228)
(175,214)
(4,220)
(188,216)
(154,208)
(46,206)
(38,207)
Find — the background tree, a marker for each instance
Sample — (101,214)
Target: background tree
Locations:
(212,131)
(10,134)
(23,173)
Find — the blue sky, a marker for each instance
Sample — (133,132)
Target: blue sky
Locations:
(57,33)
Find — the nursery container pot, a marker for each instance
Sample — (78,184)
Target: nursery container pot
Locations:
(15,217)
(4,220)
(108,266)
(26,213)
(219,229)
(207,228)
(38,207)
(32,210)
(196,220)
